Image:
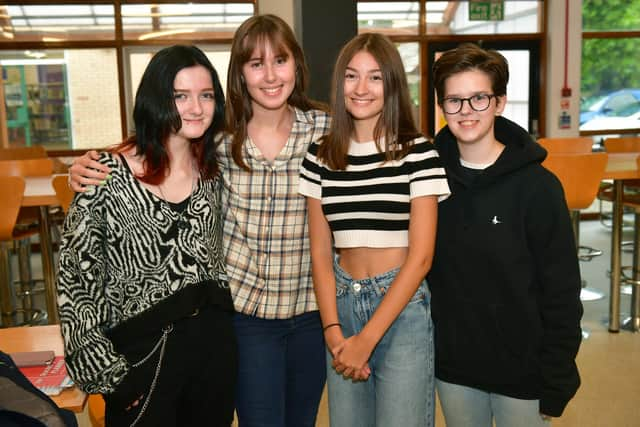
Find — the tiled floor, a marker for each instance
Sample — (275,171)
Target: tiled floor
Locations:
(609,363)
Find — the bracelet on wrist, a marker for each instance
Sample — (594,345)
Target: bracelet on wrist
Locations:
(331,325)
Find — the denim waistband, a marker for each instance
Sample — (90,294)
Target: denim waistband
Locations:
(376,284)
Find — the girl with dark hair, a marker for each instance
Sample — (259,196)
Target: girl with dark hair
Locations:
(270,123)
(505,278)
(372,186)
(145,308)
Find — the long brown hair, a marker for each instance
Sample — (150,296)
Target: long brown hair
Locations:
(156,116)
(256,32)
(395,125)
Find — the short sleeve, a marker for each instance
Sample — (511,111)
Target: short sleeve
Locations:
(311,174)
(426,173)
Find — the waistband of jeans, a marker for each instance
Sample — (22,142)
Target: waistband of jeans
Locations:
(372,283)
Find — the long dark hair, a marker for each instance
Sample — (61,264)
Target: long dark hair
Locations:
(156,117)
(256,32)
(395,125)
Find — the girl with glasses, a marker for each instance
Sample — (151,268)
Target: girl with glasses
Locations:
(505,279)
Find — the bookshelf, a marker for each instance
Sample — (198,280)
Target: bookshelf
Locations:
(37,105)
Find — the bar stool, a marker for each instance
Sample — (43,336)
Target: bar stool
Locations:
(13,190)
(576,145)
(26,226)
(580,176)
(630,199)
(633,322)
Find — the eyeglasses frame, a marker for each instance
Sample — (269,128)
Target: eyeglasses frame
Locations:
(490,95)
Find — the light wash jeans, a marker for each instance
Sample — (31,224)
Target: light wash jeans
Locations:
(400,390)
(469,407)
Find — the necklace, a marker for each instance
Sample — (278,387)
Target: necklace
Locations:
(181,222)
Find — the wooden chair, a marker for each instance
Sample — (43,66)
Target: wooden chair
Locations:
(63,192)
(26,167)
(23,153)
(96,410)
(579,144)
(626,144)
(580,175)
(27,226)
(12,193)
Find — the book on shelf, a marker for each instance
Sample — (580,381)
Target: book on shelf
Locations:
(50,378)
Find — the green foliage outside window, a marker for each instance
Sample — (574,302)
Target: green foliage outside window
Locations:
(610,63)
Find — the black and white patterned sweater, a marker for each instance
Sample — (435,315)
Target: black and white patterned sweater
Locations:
(122,252)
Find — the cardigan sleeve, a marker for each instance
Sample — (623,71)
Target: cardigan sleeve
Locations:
(91,359)
(553,246)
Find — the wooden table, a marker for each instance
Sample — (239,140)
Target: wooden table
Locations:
(620,166)
(39,192)
(36,338)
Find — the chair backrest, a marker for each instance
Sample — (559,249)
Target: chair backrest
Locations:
(22,153)
(63,192)
(578,144)
(622,144)
(12,193)
(580,175)
(27,167)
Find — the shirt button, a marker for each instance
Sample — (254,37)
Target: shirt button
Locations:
(357,287)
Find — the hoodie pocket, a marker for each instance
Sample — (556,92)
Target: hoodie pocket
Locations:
(481,341)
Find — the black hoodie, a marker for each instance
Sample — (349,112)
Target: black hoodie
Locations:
(505,278)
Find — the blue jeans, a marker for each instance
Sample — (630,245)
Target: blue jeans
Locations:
(469,407)
(281,371)
(400,390)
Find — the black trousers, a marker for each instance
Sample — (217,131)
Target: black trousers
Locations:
(195,384)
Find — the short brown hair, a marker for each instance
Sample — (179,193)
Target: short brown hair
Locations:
(467,57)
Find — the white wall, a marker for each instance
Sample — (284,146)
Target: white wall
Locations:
(555,66)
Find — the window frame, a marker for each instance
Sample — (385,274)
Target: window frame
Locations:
(610,34)
(119,43)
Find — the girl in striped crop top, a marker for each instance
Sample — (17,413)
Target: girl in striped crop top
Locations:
(372,186)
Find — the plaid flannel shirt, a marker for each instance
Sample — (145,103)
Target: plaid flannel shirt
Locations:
(266,232)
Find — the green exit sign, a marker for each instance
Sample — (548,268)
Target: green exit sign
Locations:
(486,10)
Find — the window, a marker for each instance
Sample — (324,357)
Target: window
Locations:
(422,29)
(70,70)
(610,74)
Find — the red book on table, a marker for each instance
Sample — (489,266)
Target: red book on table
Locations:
(50,378)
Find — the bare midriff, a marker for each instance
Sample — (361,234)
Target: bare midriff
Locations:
(362,262)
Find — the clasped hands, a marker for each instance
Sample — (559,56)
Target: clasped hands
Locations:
(350,357)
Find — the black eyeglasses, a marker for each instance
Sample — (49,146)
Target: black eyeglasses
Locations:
(478,102)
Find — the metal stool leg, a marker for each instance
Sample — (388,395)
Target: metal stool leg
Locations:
(585,253)
(633,322)
(6,307)
(27,286)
